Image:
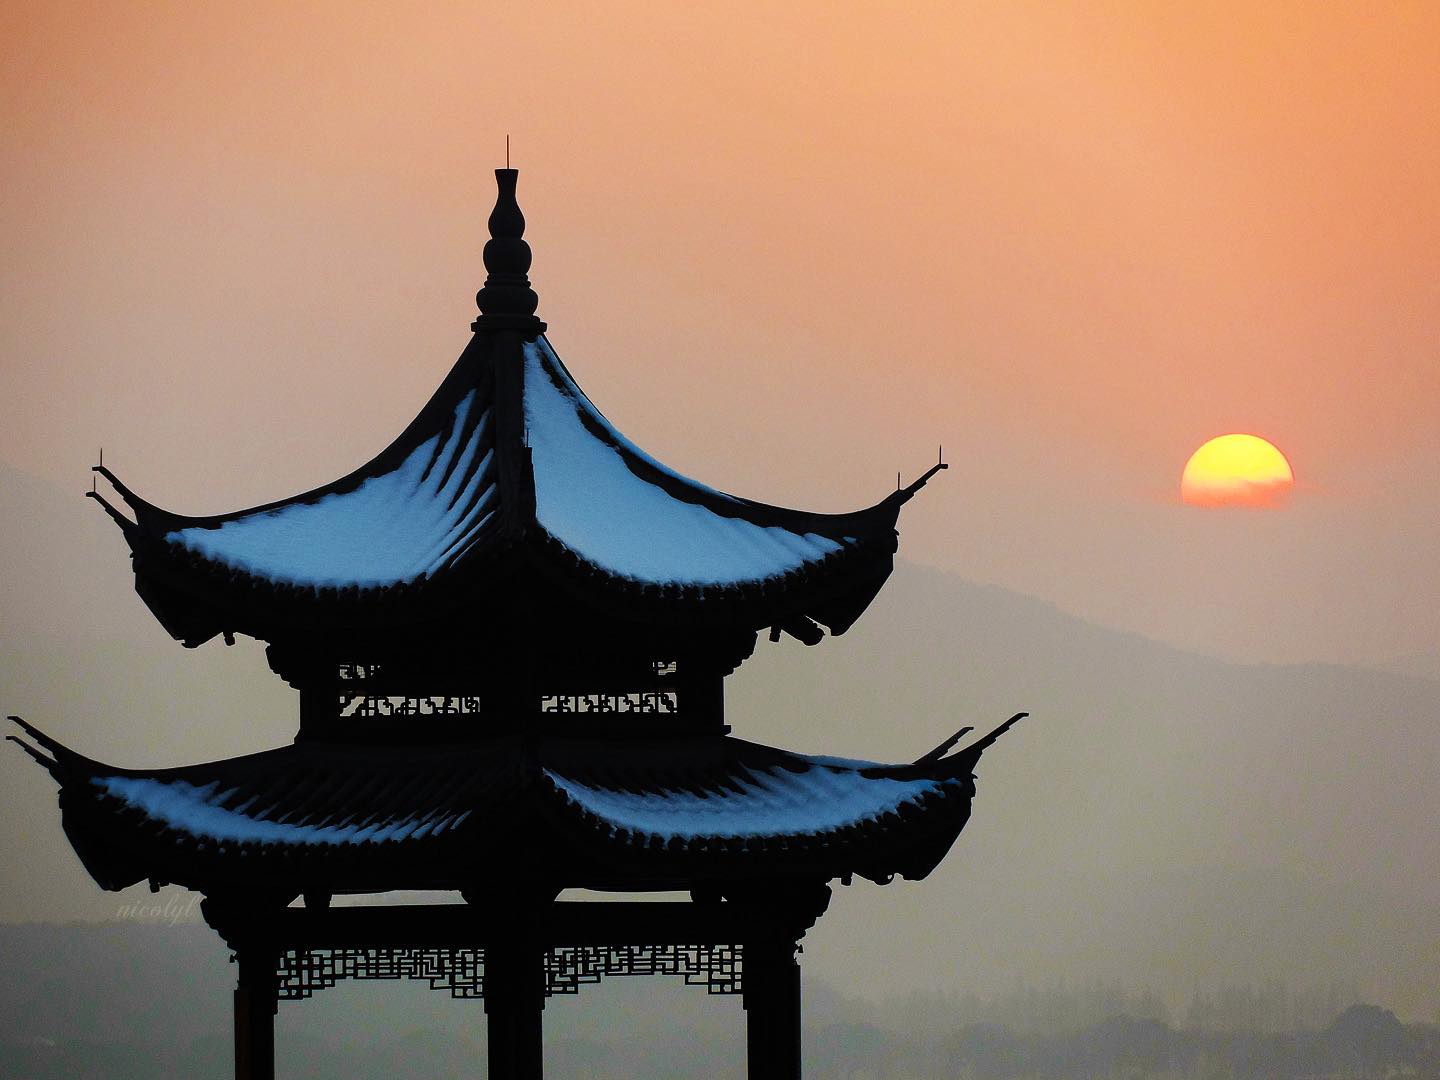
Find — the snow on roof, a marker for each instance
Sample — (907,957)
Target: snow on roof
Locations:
(777,801)
(798,796)
(589,498)
(200,811)
(390,529)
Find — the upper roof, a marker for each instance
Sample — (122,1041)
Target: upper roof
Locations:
(663,812)
(508,465)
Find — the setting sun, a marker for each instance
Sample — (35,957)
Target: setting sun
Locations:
(1236,470)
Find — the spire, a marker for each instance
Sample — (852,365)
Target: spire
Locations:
(507,301)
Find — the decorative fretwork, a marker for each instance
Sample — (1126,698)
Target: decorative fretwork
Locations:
(645,702)
(406,688)
(386,705)
(659,698)
(460,970)
(715,967)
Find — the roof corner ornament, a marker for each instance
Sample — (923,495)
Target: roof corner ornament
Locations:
(127,526)
(507,302)
(905,494)
(963,760)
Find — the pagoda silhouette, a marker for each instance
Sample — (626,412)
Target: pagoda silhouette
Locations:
(510,633)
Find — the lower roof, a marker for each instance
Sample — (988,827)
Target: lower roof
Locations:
(663,812)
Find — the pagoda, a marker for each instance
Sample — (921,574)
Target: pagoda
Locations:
(510,632)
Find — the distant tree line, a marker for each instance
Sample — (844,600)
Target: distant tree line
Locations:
(1068,1007)
(140,1001)
(1362,1042)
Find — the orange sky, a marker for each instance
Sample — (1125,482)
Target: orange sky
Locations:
(789,251)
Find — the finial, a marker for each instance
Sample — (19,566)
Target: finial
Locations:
(507,301)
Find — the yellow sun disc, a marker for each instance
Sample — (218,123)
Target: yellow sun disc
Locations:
(1236,470)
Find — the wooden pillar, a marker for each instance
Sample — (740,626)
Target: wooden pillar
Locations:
(255,1008)
(778,918)
(514,1003)
(772,1009)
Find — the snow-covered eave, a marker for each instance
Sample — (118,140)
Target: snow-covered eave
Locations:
(607,513)
(228,823)
(197,596)
(470,372)
(869,522)
(791,582)
(197,599)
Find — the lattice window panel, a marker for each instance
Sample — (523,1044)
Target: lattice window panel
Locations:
(387,705)
(640,702)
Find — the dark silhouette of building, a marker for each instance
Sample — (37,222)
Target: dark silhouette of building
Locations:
(510,633)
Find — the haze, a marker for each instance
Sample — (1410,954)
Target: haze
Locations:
(791,251)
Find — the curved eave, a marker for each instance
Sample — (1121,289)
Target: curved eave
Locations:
(870,523)
(459,453)
(471,372)
(639,814)
(614,519)
(833,592)
(196,598)
(664,549)
(757,814)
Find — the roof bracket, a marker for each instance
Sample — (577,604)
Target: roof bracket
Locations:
(801,627)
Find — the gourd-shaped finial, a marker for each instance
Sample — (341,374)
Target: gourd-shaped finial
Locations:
(507,297)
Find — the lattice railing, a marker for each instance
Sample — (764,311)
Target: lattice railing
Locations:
(461,969)
(715,967)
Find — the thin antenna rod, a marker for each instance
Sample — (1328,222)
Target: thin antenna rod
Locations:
(507,151)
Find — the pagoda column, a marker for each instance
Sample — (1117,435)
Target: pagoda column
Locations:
(772,1008)
(515,981)
(778,918)
(250,925)
(514,1002)
(255,1008)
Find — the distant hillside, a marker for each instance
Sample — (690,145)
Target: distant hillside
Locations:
(1160,818)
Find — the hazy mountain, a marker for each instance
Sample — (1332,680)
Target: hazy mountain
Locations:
(1161,818)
